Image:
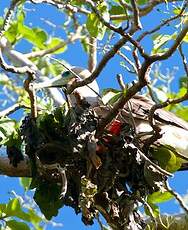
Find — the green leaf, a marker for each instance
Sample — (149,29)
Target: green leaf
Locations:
(13,207)
(7,128)
(47,197)
(159,40)
(116,10)
(55,42)
(167,159)
(12,33)
(36,36)
(95,27)
(182,112)
(159,197)
(3,208)
(185,39)
(111,96)
(34,218)
(155,210)
(23,215)
(15,225)
(25,182)
(183,82)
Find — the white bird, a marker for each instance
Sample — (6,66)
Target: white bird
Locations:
(174,130)
(89,92)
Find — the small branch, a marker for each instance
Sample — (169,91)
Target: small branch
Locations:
(118,30)
(128,61)
(184,60)
(120,82)
(173,48)
(11,109)
(13,69)
(177,196)
(99,67)
(157,167)
(164,104)
(42,53)
(136,24)
(165,22)
(92,62)
(142,11)
(32,95)
(22,170)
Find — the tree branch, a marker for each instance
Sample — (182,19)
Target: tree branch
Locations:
(22,170)
(136,24)
(173,48)
(11,109)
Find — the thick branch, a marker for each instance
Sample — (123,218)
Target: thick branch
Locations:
(22,170)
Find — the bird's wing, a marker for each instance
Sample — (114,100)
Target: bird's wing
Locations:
(139,110)
(141,106)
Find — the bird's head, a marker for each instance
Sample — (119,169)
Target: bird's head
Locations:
(65,78)
(88,92)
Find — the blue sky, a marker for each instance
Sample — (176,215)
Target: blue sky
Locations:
(75,56)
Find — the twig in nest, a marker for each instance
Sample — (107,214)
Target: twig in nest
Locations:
(29,88)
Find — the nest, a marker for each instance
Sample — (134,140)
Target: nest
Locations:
(75,166)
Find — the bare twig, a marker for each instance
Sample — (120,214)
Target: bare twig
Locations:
(92,62)
(157,167)
(165,22)
(120,81)
(100,66)
(164,104)
(184,60)
(13,69)
(142,11)
(118,30)
(42,53)
(32,94)
(173,48)
(11,109)
(177,196)
(128,61)
(136,20)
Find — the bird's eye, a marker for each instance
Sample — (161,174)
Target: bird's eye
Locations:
(66,74)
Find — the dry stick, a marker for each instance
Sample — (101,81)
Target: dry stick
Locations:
(136,24)
(165,22)
(128,61)
(177,196)
(92,61)
(32,95)
(11,109)
(13,69)
(142,11)
(184,60)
